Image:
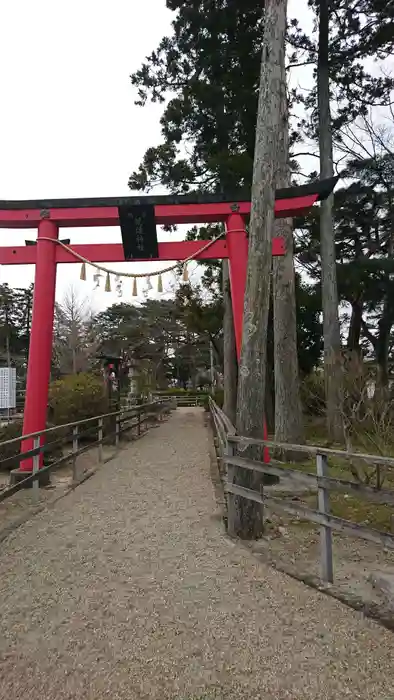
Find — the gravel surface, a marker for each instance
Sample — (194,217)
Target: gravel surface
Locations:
(128,588)
(22,505)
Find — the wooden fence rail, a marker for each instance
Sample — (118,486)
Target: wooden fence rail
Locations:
(98,430)
(184,400)
(231,445)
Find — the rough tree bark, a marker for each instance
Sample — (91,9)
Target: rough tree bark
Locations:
(288,410)
(252,370)
(331,328)
(270,390)
(230,364)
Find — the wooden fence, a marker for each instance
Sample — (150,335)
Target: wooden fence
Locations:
(184,400)
(93,432)
(230,447)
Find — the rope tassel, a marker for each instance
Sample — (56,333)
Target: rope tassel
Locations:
(99,270)
(96,278)
(185,276)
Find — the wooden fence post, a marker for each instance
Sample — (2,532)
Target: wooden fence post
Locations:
(229,451)
(36,467)
(75,451)
(327,572)
(100,439)
(117,431)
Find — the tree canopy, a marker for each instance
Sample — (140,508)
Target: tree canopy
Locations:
(209,73)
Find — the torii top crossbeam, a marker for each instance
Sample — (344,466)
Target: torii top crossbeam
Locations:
(178,209)
(48,216)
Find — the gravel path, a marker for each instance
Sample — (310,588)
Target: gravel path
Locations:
(128,589)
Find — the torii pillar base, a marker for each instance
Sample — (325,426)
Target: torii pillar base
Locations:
(16,476)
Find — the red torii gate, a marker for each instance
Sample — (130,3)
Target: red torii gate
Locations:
(48,216)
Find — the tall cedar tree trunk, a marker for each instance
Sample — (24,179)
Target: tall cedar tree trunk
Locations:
(288,410)
(386,321)
(252,371)
(270,392)
(331,329)
(230,364)
(355,326)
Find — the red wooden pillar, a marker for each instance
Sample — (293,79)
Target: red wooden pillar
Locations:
(237,244)
(41,337)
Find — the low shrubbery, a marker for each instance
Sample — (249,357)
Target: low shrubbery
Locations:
(219,397)
(76,398)
(9,432)
(10,451)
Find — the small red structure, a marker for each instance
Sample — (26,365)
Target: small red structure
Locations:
(49,216)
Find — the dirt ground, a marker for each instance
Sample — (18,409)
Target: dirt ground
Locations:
(295,545)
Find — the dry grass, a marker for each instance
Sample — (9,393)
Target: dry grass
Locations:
(347,506)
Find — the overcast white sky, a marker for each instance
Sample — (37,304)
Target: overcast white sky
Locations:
(68,124)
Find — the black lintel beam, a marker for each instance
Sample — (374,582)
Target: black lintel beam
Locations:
(323,188)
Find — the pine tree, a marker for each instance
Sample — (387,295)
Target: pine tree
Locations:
(348,32)
(213,68)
